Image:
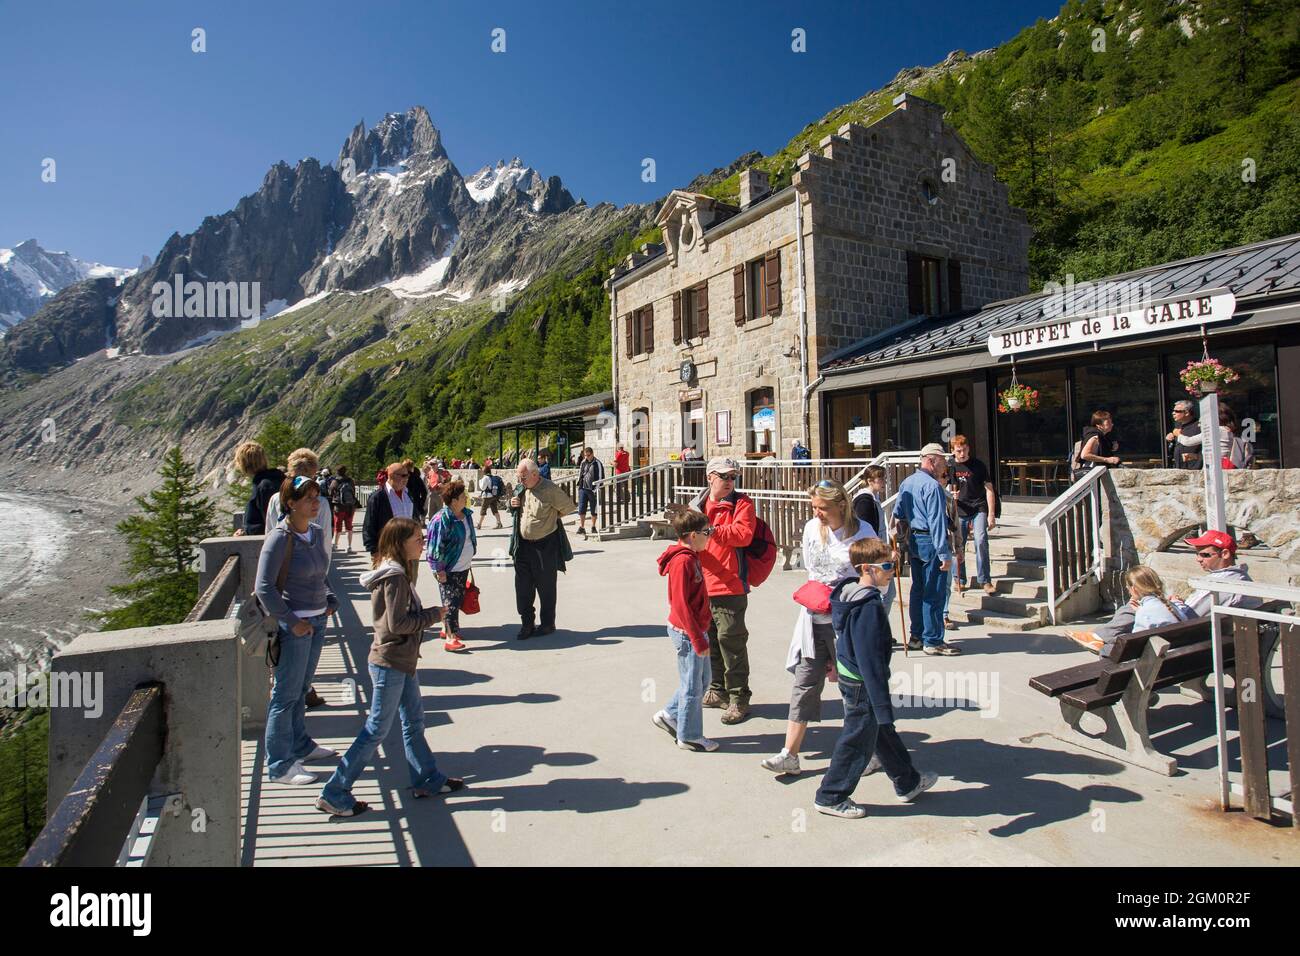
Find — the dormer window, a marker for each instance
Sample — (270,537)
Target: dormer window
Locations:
(929,192)
(686,237)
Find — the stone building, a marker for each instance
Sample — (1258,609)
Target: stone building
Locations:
(718,333)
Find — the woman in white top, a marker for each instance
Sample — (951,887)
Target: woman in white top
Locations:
(826,540)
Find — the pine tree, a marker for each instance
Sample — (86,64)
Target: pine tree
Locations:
(163,543)
(278,438)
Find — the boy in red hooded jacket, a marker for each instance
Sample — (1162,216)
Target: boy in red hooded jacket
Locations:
(689,617)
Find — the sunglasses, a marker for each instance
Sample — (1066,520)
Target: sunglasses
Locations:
(825,483)
(706,531)
(729,476)
(302,480)
(884,566)
(1207,554)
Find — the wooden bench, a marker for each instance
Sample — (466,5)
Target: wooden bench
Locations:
(1120,687)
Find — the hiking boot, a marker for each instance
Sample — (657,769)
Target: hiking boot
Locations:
(990,588)
(949,624)
(846,809)
(314,699)
(1088,639)
(714,698)
(736,712)
(525,632)
(942,649)
(915,644)
(782,763)
(928,779)
(359,807)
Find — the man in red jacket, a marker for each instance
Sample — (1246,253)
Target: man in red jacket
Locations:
(734,522)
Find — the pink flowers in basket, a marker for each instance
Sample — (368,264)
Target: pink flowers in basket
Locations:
(1206,375)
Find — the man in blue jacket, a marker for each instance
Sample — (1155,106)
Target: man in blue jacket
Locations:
(922,510)
(862,647)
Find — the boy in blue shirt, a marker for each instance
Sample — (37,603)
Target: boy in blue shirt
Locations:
(862,647)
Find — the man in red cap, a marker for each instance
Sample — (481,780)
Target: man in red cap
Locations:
(1216,553)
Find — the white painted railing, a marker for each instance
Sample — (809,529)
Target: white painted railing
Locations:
(1076,550)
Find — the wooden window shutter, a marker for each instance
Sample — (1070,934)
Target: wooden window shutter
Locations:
(738,292)
(954,285)
(627,331)
(648,327)
(915,298)
(772,279)
(702,309)
(677,318)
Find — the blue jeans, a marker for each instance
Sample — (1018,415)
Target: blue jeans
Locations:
(927,599)
(861,737)
(393,692)
(686,709)
(286,716)
(980,525)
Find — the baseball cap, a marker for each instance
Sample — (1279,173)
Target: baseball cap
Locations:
(721,465)
(1214,539)
(934,448)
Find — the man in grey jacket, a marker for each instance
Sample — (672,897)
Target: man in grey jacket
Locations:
(1216,553)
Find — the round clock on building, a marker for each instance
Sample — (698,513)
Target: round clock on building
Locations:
(687,372)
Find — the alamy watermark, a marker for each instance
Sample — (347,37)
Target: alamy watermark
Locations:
(32,687)
(207,300)
(962,690)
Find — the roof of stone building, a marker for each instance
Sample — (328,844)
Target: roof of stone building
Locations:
(573,408)
(1263,269)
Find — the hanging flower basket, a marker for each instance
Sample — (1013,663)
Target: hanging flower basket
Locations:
(1206,375)
(1018,398)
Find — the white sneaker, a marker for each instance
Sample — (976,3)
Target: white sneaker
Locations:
(296,776)
(846,809)
(665,723)
(321,753)
(699,745)
(928,779)
(782,763)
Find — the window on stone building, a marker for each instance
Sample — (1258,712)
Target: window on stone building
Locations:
(691,313)
(925,287)
(640,331)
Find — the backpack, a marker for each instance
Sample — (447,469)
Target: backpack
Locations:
(346,493)
(498,486)
(758,558)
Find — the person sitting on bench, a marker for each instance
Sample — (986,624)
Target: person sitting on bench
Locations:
(1147,607)
(1216,553)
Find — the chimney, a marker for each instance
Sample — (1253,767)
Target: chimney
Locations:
(753,187)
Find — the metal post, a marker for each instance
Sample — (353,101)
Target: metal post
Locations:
(1220,704)
(1216,518)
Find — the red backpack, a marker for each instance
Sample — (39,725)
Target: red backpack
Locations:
(758,558)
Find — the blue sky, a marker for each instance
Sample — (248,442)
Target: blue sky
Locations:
(149,137)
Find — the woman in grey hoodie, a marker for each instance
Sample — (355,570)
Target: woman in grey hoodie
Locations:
(292,585)
(400,622)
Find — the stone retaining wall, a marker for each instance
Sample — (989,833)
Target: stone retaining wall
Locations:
(1149,509)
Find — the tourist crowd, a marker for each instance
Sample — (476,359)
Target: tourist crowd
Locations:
(851,549)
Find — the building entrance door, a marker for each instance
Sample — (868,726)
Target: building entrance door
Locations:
(693,426)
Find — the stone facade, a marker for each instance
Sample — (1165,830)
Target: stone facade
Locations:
(1150,509)
(872,196)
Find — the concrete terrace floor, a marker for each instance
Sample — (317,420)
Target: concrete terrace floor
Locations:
(553,737)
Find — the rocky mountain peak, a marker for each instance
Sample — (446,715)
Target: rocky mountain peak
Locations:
(408,137)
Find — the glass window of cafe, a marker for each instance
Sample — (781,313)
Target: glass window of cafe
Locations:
(1252,398)
(904,418)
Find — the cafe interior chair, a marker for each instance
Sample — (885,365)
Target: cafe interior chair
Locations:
(1048,479)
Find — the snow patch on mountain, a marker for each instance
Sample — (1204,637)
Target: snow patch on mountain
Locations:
(30,276)
(490,181)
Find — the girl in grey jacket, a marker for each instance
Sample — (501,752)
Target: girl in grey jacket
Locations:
(400,621)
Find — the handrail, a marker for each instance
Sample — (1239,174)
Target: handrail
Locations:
(1069,496)
(1249,671)
(87,827)
(216,600)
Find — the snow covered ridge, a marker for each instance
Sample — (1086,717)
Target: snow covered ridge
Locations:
(490,181)
(30,276)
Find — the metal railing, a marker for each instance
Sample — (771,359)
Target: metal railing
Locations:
(94,820)
(1252,653)
(1076,550)
(89,825)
